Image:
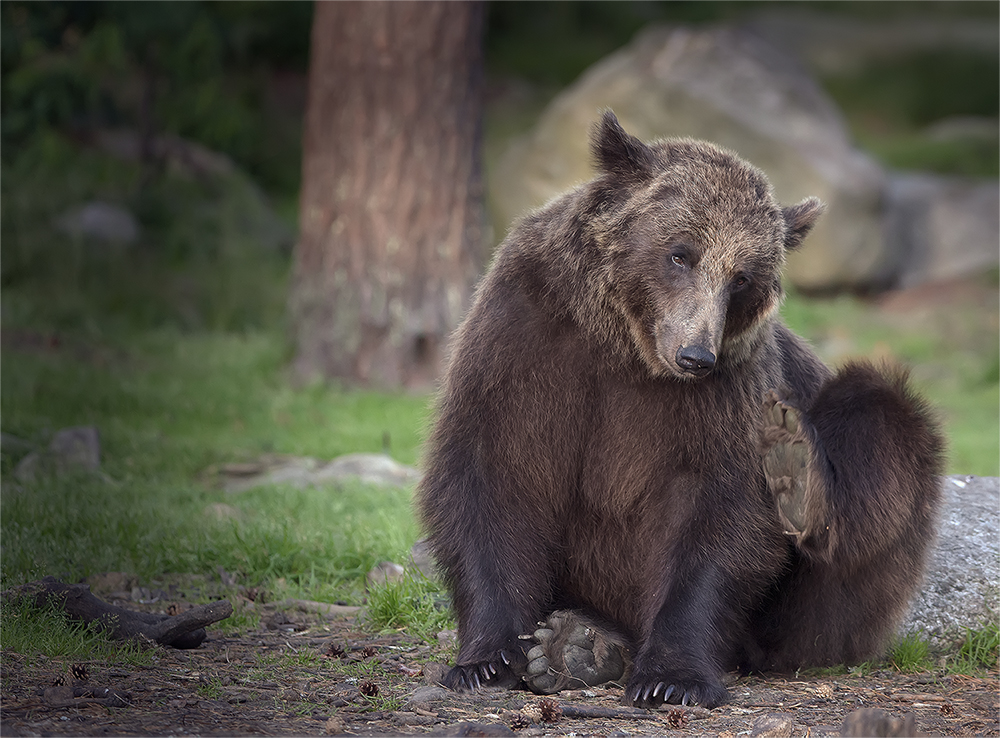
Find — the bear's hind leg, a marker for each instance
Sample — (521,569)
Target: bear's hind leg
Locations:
(574,651)
(855,477)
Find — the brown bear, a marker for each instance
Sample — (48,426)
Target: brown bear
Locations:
(627,430)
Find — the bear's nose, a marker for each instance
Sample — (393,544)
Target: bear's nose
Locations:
(695,360)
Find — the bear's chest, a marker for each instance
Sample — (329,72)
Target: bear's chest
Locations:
(666,444)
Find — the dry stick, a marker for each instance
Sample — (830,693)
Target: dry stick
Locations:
(186,630)
(569,710)
(323,608)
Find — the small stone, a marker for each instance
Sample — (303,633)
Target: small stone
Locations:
(422,558)
(424,697)
(335,725)
(57,696)
(434,672)
(101,221)
(110,581)
(447,638)
(71,449)
(875,723)
(385,573)
(773,725)
(76,448)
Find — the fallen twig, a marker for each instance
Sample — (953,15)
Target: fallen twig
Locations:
(323,608)
(569,710)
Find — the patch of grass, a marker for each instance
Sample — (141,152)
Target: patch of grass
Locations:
(910,653)
(979,652)
(415,604)
(211,689)
(45,631)
(175,405)
(385,700)
(209,254)
(314,543)
(863,669)
(916,151)
(890,102)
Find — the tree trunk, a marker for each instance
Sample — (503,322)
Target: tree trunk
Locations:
(391,214)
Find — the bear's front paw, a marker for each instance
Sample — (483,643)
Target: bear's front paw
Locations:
(796,489)
(503,670)
(573,653)
(652,690)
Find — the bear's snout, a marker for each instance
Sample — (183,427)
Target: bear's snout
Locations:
(695,360)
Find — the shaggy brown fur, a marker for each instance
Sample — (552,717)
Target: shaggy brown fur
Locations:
(603,429)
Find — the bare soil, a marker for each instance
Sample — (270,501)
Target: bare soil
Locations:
(303,674)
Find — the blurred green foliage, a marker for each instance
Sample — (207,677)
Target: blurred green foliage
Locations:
(891,103)
(210,71)
(211,253)
(195,69)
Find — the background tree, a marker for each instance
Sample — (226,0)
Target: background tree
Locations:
(391,214)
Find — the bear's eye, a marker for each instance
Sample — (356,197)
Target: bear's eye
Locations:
(741,281)
(678,259)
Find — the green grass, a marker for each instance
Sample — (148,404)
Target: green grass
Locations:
(44,631)
(910,653)
(415,604)
(175,406)
(979,652)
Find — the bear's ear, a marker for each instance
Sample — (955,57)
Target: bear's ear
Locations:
(618,153)
(800,219)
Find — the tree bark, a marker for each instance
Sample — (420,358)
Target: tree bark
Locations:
(391,215)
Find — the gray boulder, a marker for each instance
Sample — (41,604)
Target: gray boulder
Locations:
(70,450)
(941,227)
(730,87)
(962,586)
(305,471)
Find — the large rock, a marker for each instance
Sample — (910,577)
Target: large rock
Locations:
(76,449)
(962,587)
(730,87)
(939,228)
(305,471)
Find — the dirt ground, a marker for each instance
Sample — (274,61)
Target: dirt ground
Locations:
(303,674)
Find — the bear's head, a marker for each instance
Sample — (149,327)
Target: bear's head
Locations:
(693,243)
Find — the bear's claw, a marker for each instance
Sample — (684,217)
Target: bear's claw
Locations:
(651,694)
(475,676)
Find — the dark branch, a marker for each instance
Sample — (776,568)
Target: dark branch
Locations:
(186,630)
